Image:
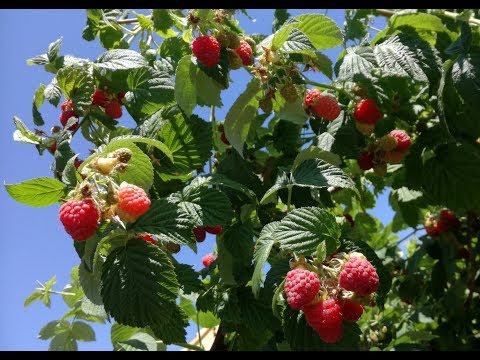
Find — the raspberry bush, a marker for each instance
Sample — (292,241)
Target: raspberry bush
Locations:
(280,184)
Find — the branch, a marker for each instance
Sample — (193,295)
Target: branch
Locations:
(219,341)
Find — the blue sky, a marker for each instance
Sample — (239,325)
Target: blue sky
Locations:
(33,243)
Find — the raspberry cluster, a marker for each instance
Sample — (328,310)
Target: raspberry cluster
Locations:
(200,232)
(109,101)
(346,281)
(67,113)
(445,222)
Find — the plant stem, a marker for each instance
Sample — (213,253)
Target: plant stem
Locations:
(129,21)
(289,199)
(219,341)
(198,332)
(214,127)
(406,237)
(57,292)
(189,346)
(325,86)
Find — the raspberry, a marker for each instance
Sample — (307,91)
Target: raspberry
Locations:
(365,160)
(351,311)
(148,238)
(393,157)
(433,231)
(132,202)
(99,98)
(207,50)
(331,335)
(208,259)
(289,92)
(402,138)
(53,148)
(386,143)
(234,60)
(67,105)
(65,116)
(172,247)
(113,109)
(266,105)
(199,233)
(224,139)
(77,163)
(367,111)
(79,218)
(233,40)
(120,96)
(245,53)
(447,221)
(326,107)
(349,218)
(301,287)
(359,276)
(326,314)
(215,230)
(364,128)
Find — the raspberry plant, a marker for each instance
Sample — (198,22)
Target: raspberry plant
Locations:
(284,181)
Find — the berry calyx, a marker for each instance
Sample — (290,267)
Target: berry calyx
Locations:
(133,202)
(351,311)
(99,98)
(365,160)
(208,259)
(113,109)
(367,111)
(148,238)
(386,143)
(207,50)
(79,218)
(245,53)
(199,233)
(301,287)
(359,275)
(215,230)
(402,138)
(266,105)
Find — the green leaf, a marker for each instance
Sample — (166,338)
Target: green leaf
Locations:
(189,140)
(321,251)
(188,278)
(291,111)
(53,328)
(53,50)
(37,192)
(260,255)
(450,177)
(23,133)
(322,151)
(168,222)
(207,90)
(151,304)
(298,42)
(185,85)
(121,59)
(69,174)
(139,342)
(52,92)
(149,91)
(38,99)
(357,60)
(223,181)
(240,115)
(78,84)
(144,140)
(206,206)
(38,60)
(63,342)
(82,331)
(280,16)
(144,22)
(36,295)
(162,20)
(303,229)
(419,21)
(174,48)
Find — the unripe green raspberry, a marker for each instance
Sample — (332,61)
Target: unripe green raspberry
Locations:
(234,60)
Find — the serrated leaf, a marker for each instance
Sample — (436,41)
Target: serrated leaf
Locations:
(190,141)
(36,295)
(419,21)
(144,22)
(78,84)
(38,99)
(139,342)
(153,303)
(207,90)
(186,85)
(162,20)
(238,119)
(82,331)
(298,42)
(23,133)
(357,60)
(260,255)
(206,206)
(318,152)
(303,229)
(53,328)
(53,93)
(168,222)
(37,192)
(149,91)
(54,49)
(121,59)
(38,60)
(291,111)
(144,140)
(188,278)
(238,241)
(174,48)
(63,342)
(321,251)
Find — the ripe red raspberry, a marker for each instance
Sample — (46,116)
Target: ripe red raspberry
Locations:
(320,105)
(351,311)
(224,139)
(120,96)
(132,202)
(215,230)
(67,105)
(53,148)
(393,157)
(245,53)
(367,111)
(148,238)
(99,98)
(207,50)
(349,218)
(311,96)
(324,314)
(113,109)
(79,218)
(208,259)
(433,231)
(365,160)
(359,276)
(65,115)
(199,233)
(331,335)
(403,140)
(447,221)
(301,287)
